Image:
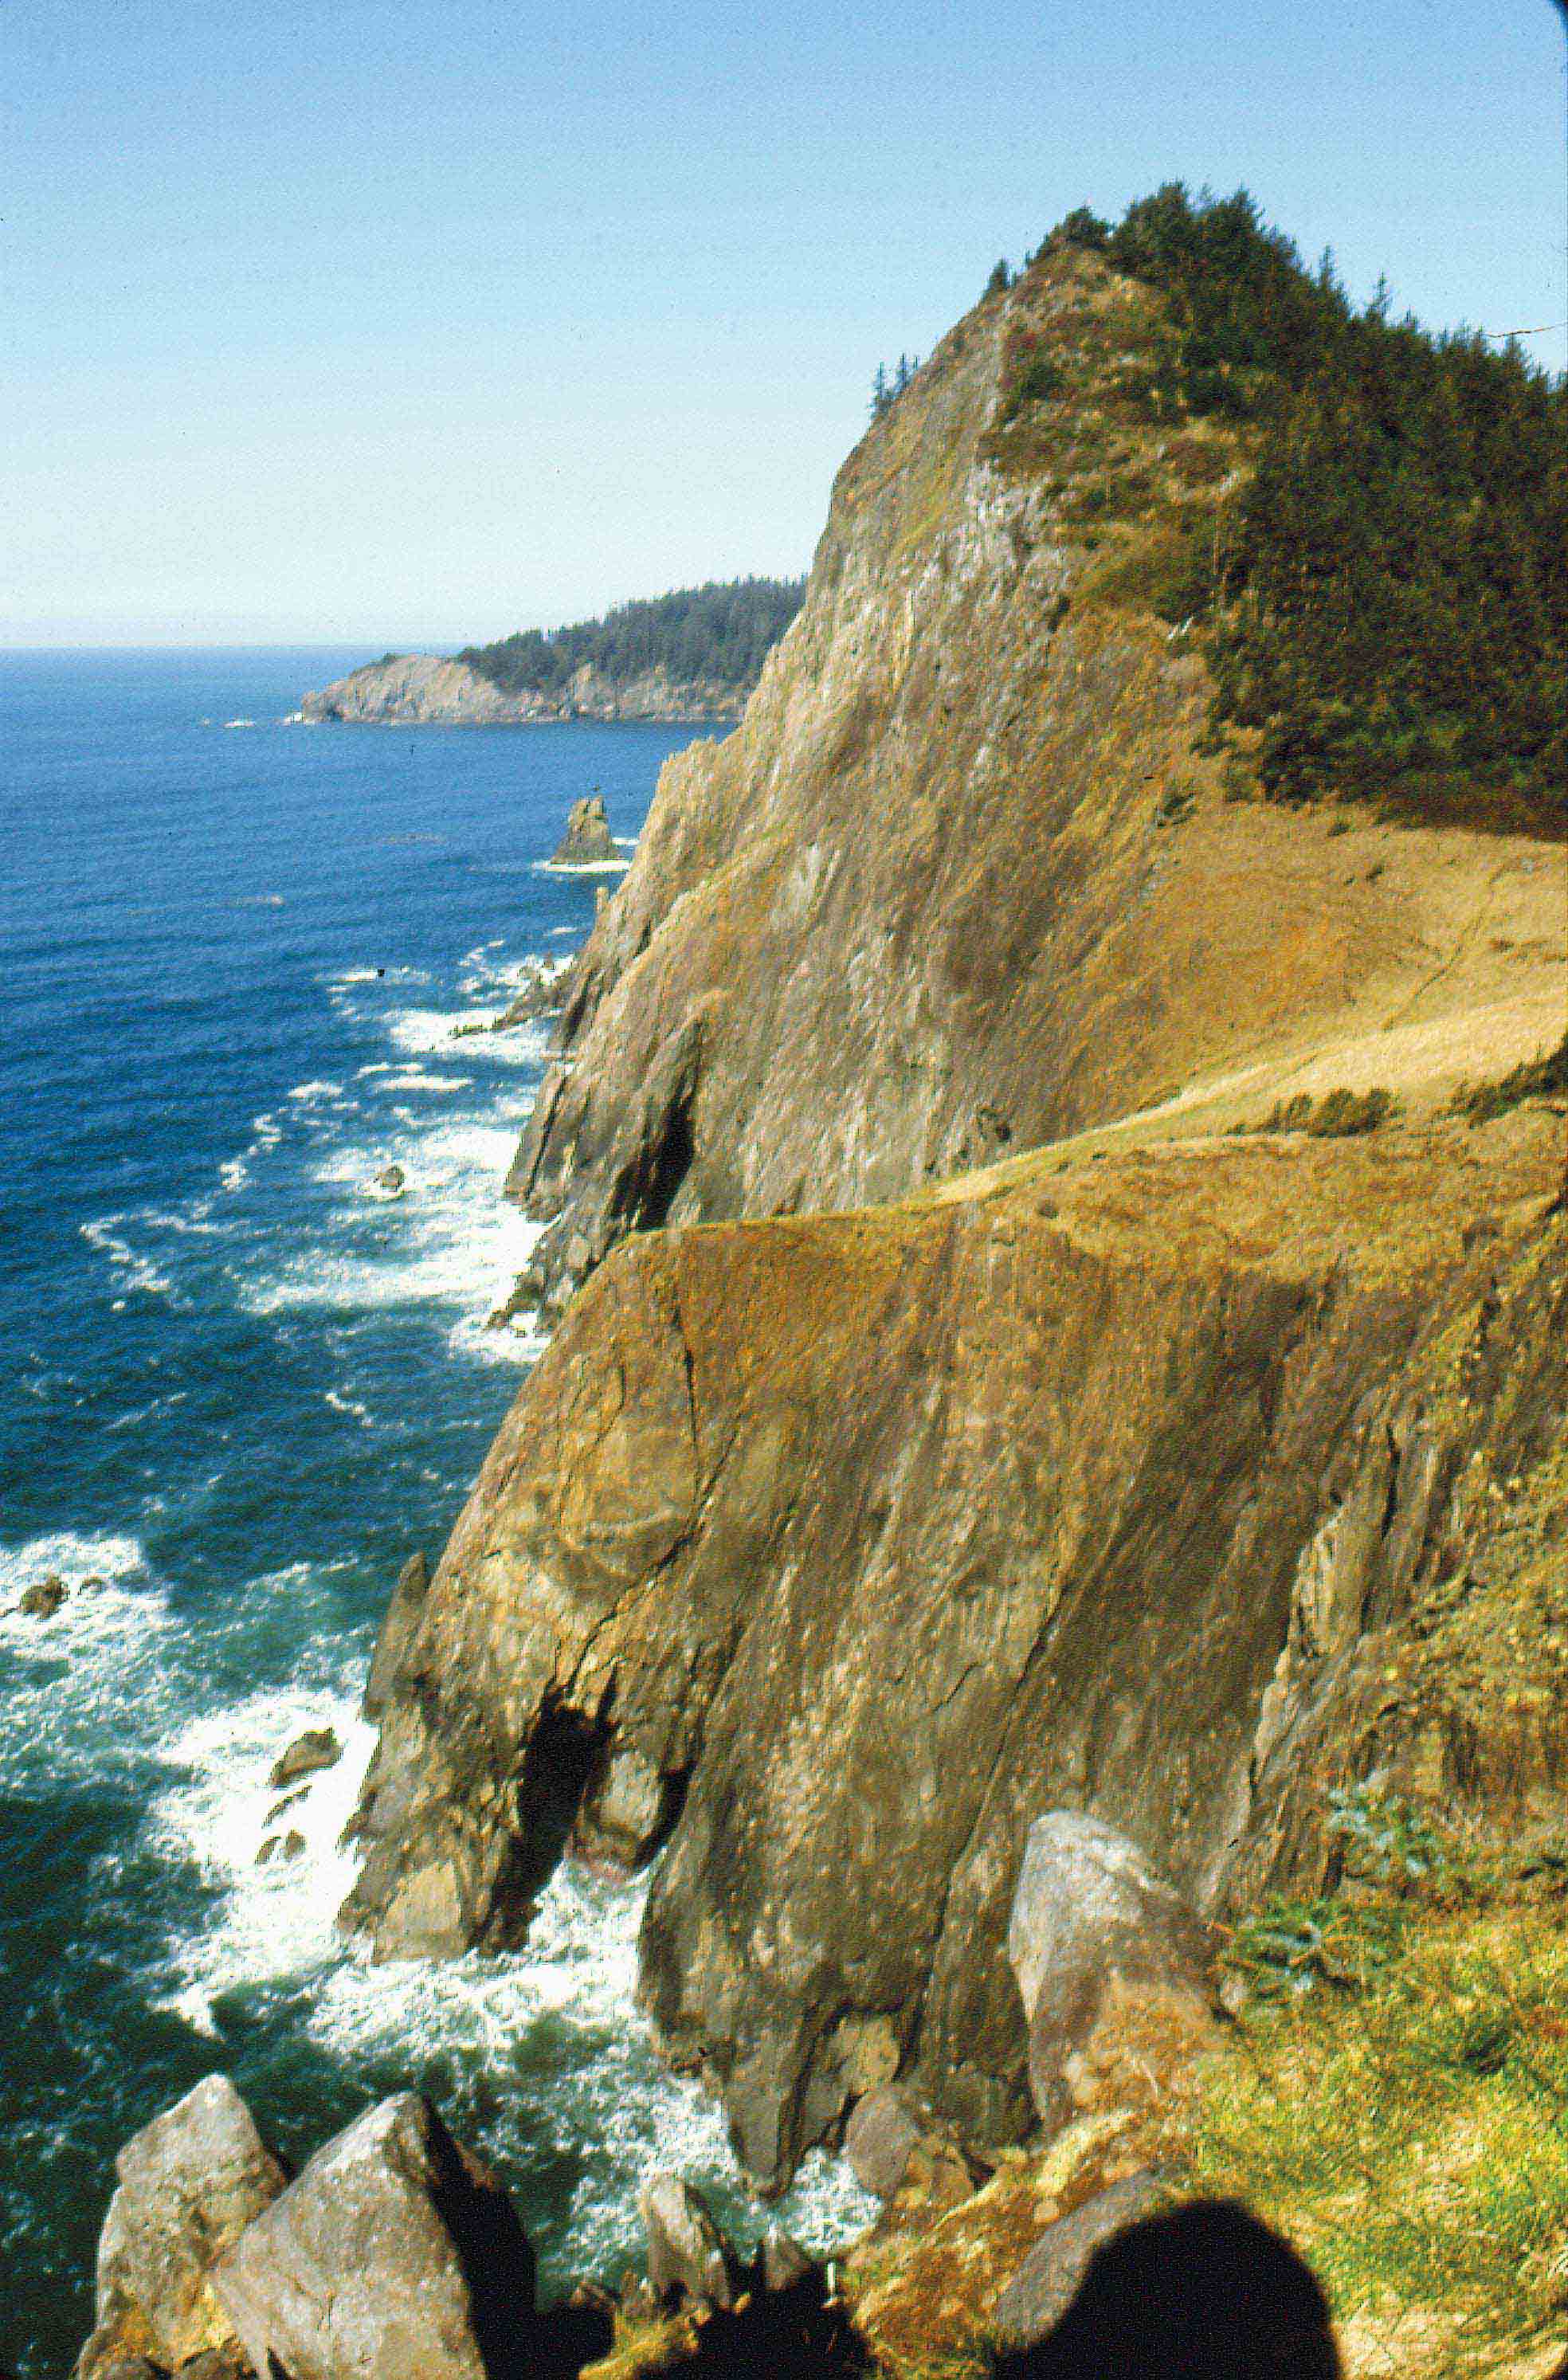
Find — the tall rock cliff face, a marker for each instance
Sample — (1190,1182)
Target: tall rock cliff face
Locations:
(962,882)
(1174,1482)
(829,1551)
(423,690)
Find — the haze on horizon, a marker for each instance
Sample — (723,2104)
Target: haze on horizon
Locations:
(361,321)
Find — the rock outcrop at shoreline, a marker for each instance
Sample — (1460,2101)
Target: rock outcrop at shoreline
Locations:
(826,1552)
(424,690)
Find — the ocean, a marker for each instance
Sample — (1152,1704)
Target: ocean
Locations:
(241,1388)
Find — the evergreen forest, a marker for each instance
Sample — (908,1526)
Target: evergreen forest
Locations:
(717,633)
(1383,599)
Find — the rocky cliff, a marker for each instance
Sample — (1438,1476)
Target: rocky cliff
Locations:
(1017,1426)
(966,880)
(829,1551)
(423,690)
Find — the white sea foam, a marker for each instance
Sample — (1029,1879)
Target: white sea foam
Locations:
(278,1920)
(71,1680)
(311,1094)
(140,1271)
(239,722)
(234,1173)
(581,866)
(411,1078)
(350,1405)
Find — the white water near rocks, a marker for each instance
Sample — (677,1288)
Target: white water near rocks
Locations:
(250,1377)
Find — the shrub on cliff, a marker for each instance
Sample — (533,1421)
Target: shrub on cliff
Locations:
(1384,606)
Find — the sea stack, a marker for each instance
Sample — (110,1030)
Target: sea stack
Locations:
(587,842)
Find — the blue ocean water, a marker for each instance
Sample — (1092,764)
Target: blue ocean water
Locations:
(240,1389)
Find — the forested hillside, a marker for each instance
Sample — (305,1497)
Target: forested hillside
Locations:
(1383,596)
(718,633)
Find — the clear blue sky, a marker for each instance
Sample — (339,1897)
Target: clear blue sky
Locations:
(369,320)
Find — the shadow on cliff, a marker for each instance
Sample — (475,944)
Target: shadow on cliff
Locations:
(1205,2293)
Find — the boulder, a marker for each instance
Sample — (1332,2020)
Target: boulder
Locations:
(396,1632)
(394,2256)
(317,1748)
(393,1180)
(881,2138)
(587,842)
(686,2250)
(189,2182)
(1110,1964)
(44,1597)
(1046,2282)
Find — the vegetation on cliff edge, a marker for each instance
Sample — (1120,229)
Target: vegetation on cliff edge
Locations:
(1380,593)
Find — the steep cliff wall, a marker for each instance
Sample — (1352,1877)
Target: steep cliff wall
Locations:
(964,881)
(423,690)
(830,1551)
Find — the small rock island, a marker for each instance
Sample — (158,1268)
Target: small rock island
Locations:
(587,842)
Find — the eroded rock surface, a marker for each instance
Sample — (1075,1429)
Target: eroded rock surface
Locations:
(1110,1964)
(966,879)
(394,2256)
(1171,1489)
(587,842)
(189,2182)
(423,690)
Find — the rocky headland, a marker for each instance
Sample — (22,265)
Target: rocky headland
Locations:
(424,690)
(1044,1511)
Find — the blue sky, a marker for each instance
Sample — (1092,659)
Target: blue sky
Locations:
(358,320)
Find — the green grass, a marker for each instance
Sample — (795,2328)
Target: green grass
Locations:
(1405,2124)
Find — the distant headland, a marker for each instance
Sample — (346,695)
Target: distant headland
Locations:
(690,656)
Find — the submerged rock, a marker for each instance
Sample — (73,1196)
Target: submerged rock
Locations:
(317,1748)
(587,840)
(189,2182)
(395,2255)
(688,2253)
(1111,1965)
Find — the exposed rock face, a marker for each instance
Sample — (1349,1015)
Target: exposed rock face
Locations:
(394,2256)
(188,2184)
(423,690)
(1103,1952)
(930,906)
(1172,1489)
(688,2253)
(397,1630)
(316,1749)
(587,842)
(879,2140)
